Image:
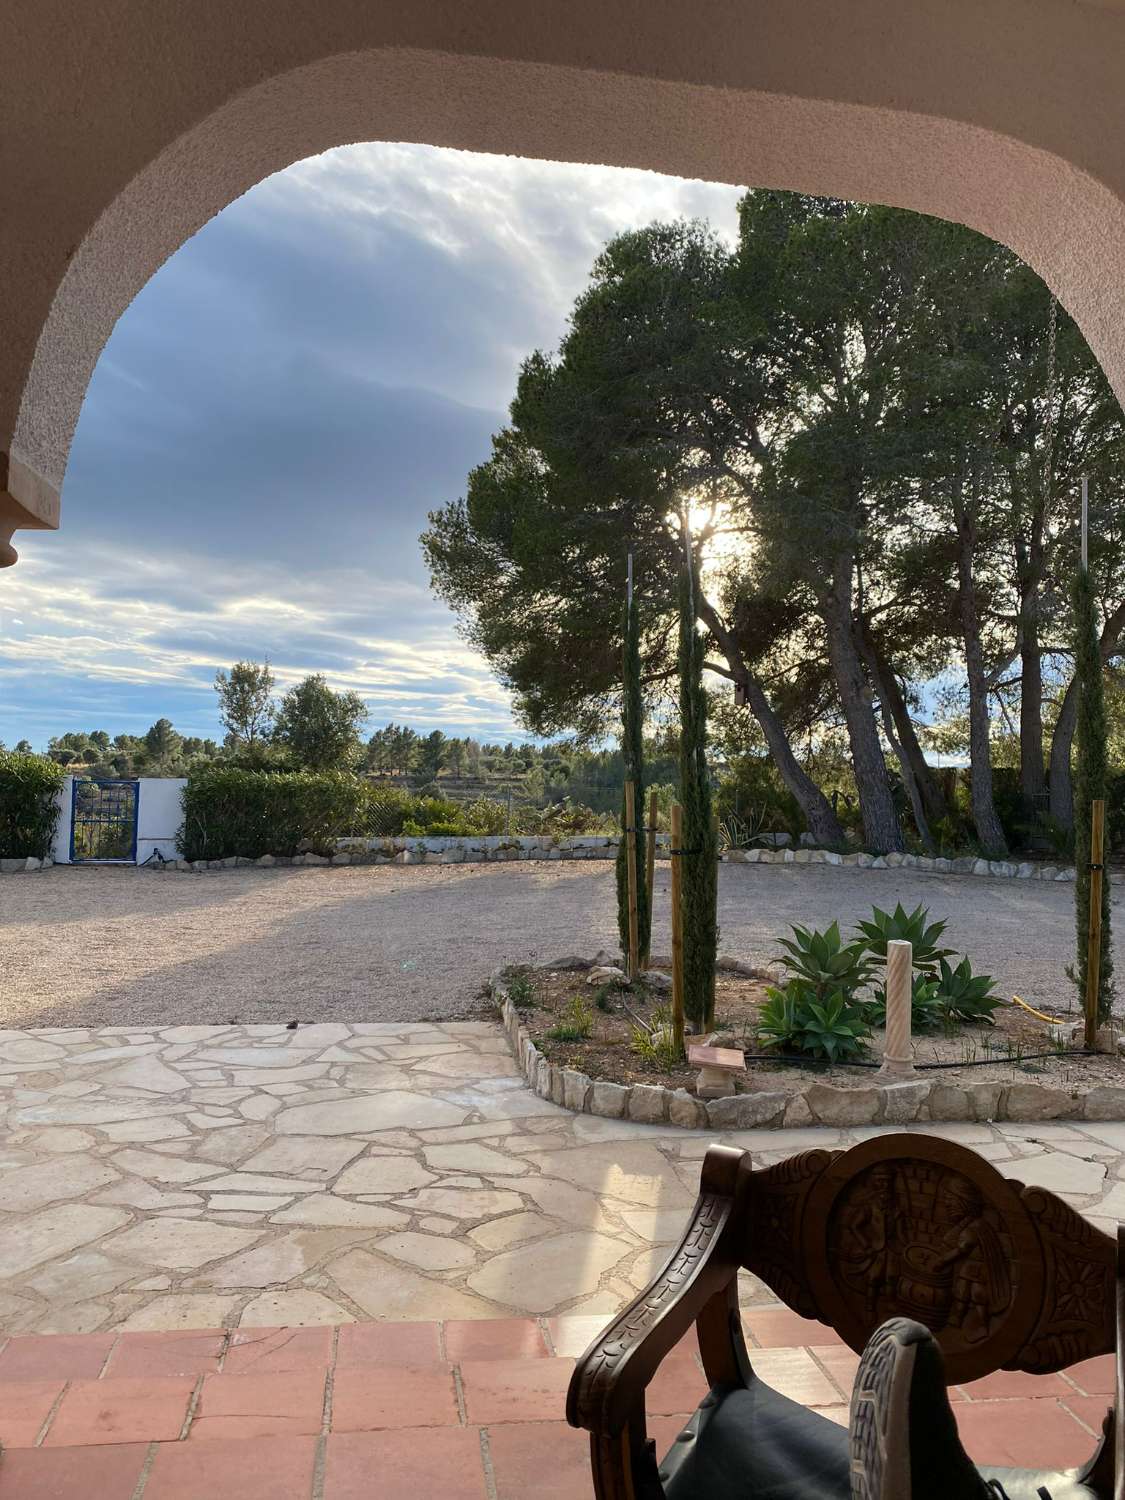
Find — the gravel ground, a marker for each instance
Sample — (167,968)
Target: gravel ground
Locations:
(114,946)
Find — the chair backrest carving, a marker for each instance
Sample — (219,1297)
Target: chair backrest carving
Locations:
(1006,1277)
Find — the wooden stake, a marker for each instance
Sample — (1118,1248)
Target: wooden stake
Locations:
(677,928)
(1094,946)
(631,869)
(650,872)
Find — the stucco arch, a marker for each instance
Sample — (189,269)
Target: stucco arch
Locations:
(1006,115)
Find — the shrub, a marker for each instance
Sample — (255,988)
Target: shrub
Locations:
(29,811)
(824,963)
(656,1044)
(251,813)
(796,1019)
(913,927)
(576,1021)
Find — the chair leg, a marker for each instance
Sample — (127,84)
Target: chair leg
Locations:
(625,1466)
(721,1345)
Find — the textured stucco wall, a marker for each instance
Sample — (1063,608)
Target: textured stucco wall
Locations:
(126,124)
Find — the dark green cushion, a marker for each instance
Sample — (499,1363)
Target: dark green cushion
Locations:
(757,1445)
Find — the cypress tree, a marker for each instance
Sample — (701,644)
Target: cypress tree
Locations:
(632,754)
(700,868)
(1090,778)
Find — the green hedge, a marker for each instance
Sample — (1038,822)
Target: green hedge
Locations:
(251,813)
(29,810)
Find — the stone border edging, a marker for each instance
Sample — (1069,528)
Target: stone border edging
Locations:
(24,864)
(817,1104)
(420,850)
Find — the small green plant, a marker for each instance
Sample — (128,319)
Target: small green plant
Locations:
(964,996)
(913,927)
(795,1018)
(576,1021)
(926,1010)
(603,997)
(521,991)
(824,963)
(656,1043)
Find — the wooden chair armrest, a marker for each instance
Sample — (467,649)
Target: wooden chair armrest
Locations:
(610,1378)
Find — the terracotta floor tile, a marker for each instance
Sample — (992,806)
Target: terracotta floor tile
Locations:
(109,1472)
(493,1338)
(176,1352)
(290,1404)
(515,1390)
(544,1460)
(782,1328)
(573,1335)
(1094,1376)
(269,1468)
(121,1411)
(1022,1433)
(388,1344)
(23,1410)
(1004,1383)
(795,1374)
(678,1385)
(1091,1411)
(63,1356)
(370,1398)
(442,1462)
(272,1351)
(841,1364)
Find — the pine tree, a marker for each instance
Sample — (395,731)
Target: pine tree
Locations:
(1090,778)
(700,869)
(632,753)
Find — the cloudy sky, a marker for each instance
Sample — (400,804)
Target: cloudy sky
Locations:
(273,418)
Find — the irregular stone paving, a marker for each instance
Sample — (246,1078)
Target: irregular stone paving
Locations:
(222,1176)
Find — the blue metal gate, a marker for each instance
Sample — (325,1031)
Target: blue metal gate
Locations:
(103,822)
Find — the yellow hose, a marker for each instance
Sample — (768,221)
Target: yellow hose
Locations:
(1038,1014)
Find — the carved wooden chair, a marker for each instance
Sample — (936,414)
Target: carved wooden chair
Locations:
(925,1260)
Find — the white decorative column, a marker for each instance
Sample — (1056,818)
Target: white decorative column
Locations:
(898,1055)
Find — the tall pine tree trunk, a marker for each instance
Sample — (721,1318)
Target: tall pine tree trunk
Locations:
(881,829)
(632,753)
(989,831)
(1091,774)
(1032,778)
(824,825)
(916,770)
(700,857)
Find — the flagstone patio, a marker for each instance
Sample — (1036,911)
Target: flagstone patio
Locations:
(242,1176)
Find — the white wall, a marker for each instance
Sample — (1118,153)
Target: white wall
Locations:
(159,815)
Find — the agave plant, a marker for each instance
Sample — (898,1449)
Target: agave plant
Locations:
(927,1013)
(965,996)
(913,927)
(824,962)
(794,1019)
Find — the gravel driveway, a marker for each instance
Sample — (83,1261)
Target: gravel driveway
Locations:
(114,946)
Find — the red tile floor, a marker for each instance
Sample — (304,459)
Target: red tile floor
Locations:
(399,1411)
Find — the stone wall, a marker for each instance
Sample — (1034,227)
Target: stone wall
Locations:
(921,1099)
(410,850)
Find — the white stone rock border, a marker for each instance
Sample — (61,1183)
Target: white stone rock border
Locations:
(456,851)
(24,865)
(816,1104)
